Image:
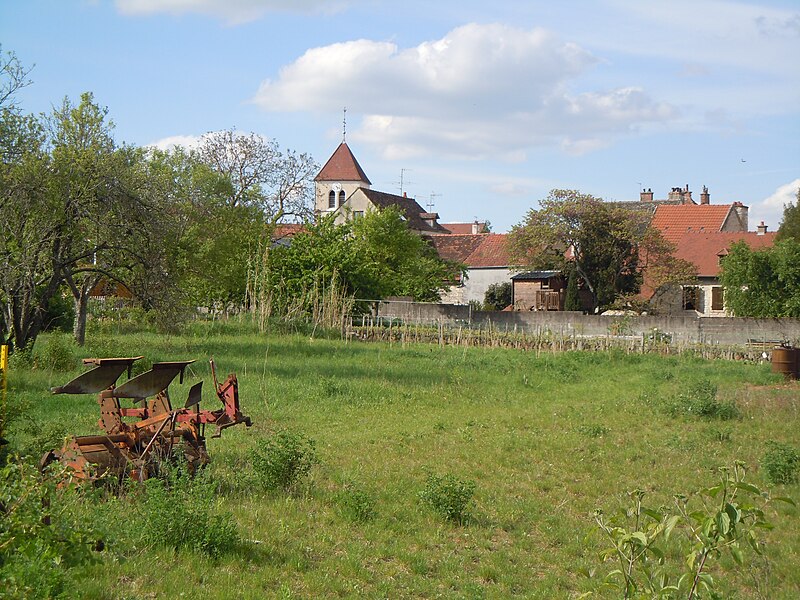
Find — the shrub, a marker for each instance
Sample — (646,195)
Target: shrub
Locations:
(285,459)
(58,354)
(701,399)
(179,512)
(356,504)
(781,463)
(40,540)
(448,495)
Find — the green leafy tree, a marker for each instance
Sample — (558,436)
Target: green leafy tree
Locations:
(763,283)
(790,224)
(397,261)
(598,239)
(572,300)
(498,296)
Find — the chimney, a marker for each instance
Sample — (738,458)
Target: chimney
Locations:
(686,195)
(675,195)
(762,229)
(705,197)
(741,212)
(475,227)
(646,196)
(405,194)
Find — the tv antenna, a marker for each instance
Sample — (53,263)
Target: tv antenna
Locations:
(430,203)
(402,180)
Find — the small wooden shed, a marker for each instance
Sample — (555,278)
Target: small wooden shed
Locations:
(538,290)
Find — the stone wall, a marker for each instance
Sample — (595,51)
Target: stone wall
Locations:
(686,329)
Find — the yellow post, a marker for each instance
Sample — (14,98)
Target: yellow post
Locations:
(3,377)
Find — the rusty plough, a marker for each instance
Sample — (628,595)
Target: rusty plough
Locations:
(136,441)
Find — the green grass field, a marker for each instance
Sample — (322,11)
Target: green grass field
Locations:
(547,439)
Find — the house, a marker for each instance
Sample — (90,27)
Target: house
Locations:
(538,290)
(486,257)
(705,250)
(466,228)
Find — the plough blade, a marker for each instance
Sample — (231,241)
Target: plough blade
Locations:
(103,376)
(151,382)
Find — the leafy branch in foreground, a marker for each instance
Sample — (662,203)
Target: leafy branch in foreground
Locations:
(722,519)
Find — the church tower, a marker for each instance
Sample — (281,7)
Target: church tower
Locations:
(340,177)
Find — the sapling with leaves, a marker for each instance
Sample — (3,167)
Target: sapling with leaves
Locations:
(714,521)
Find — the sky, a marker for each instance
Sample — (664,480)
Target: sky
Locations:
(477,108)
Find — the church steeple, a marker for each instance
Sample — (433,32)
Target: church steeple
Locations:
(340,177)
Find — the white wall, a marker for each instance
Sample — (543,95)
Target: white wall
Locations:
(474,288)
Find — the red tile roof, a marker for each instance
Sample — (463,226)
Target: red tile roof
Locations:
(463,228)
(473,250)
(705,249)
(674,221)
(342,166)
(286,230)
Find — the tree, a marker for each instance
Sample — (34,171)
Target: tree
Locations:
(397,261)
(498,296)
(598,240)
(369,259)
(763,283)
(572,300)
(279,183)
(65,212)
(790,224)
(13,77)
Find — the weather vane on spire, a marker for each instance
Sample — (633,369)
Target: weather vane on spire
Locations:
(344,125)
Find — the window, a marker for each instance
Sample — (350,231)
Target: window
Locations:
(690,298)
(717,298)
(332,199)
(545,285)
(341,197)
(357,214)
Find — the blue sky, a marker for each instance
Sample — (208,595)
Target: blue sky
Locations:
(484,106)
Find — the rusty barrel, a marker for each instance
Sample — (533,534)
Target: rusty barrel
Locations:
(786,360)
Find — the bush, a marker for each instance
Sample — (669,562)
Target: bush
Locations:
(58,354)
(60,314)
(285,459)
(40,539)
(498,296)
(700,399)
(356,504)
(449,496)
(781,463)
(179,512)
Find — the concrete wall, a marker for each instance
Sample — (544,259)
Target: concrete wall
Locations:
(687,329)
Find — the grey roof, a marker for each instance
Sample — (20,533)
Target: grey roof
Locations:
(408,207)
(532,275)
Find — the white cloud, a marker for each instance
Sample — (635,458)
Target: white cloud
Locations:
(481,90)
(785,194)
(184,141)
(770,210)
(232,11)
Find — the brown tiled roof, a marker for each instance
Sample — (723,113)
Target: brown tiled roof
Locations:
(705,249)
(463,228)
(287,230)
(675,221)
(342,166)
(473,250)
(412,211)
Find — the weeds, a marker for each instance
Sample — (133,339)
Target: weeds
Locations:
(285,459)
(781,463)
(700,399)
(180,513)
(356,504)
(448,496)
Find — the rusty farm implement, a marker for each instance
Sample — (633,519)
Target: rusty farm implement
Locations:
(137,440)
